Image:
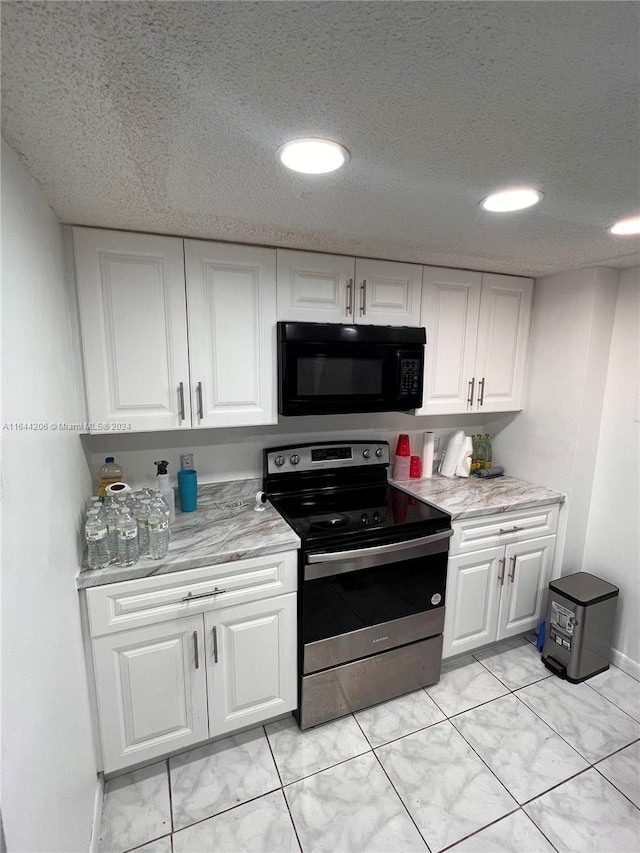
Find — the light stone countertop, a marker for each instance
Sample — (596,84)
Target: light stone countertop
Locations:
(213,534)
(462,497)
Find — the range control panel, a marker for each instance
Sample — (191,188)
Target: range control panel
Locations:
(327,456)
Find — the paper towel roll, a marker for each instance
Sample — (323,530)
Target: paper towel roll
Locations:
(451,457)
(427,454)
(463,468)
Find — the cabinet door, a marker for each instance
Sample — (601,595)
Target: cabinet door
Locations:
(315,288)
(231,305)
(387,293)
(472,600)
(528,568)
(151,690)
(503,336)
(251,660)
(134,329)
(450,308)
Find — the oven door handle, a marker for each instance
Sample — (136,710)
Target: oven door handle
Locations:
(340,562)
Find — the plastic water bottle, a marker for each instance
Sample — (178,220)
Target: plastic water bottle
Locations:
(158,531)
(142,517)
(95,531)
(110,515)
(127,528)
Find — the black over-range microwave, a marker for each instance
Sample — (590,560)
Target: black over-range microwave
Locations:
(331,368)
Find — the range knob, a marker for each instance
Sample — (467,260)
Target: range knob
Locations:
(364,518)
(279,460)
(294,459)
(377,518)
(366,453)
(379,452)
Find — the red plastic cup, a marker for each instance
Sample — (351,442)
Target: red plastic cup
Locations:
(414,468)
(403,448)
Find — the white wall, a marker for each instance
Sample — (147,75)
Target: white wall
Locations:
(554,440)
(49,779)
(577,434)
(612,539)
(229,454)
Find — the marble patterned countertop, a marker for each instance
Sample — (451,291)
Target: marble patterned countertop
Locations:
(462,497)
(219,531)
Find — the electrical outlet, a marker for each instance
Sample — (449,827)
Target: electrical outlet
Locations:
(186,460)
(436,444)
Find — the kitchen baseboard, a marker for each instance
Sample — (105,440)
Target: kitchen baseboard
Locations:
(94,846)
(626,664)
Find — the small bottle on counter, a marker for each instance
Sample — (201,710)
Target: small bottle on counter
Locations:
(488,451)
(164,487)
(110,473)
(158,531)
(142,508)
(110,515)
(127,528)
(95,531)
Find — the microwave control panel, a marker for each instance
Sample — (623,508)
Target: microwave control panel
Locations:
(410,375)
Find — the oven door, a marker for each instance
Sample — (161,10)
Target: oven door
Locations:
(360,602)
(337,378)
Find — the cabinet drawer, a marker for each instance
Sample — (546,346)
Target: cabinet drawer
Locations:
(473,534)
(131,604)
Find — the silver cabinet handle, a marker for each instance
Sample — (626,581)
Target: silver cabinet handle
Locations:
(501,563)
(363,298)
(481,392)
(513,529)
(214,631)
(512,573)
(200,404)
(181,395)
(191,597)
(349,309)
(471,387)
(195,648)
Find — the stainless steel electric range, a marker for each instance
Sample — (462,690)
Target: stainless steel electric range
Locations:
(372,576)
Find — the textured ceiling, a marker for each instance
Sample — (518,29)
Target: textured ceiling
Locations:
(165,117)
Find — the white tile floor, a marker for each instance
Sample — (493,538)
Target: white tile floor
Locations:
(498,756)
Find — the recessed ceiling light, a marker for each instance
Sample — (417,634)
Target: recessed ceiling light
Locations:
(517,198)
(626,226)
(312,156)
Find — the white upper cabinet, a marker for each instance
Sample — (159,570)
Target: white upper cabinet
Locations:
(477,335)
(388,293)
(315,288)
(145,365)
(503,335)
(335,289)
(134,329)
(231,302)
(450,309)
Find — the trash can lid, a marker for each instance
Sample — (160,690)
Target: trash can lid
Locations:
(584,588)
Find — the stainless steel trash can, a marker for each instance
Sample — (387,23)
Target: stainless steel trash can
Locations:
(580,615)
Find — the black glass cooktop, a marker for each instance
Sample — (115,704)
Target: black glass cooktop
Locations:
(373,513)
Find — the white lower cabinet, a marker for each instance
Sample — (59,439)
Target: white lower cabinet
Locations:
(251,662)
(162,687)
(151,689)
(497,592)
